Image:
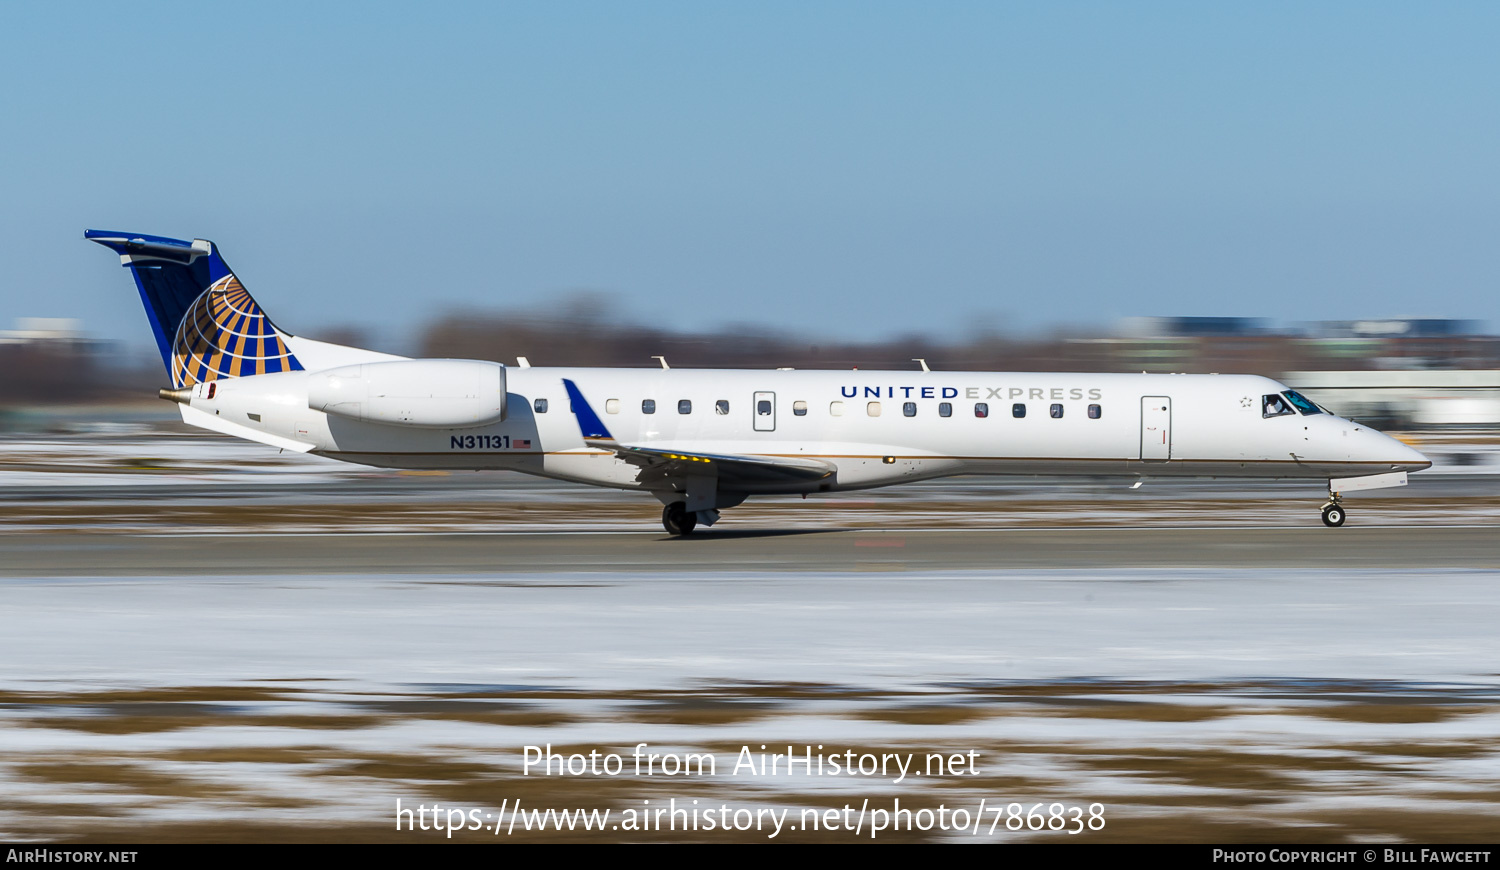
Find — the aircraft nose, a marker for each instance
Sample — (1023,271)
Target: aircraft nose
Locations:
(1414,458)
(1402,456)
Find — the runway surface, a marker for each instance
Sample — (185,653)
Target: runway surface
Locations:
(793,550)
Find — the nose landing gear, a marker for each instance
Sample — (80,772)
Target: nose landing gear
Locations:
(1333,510)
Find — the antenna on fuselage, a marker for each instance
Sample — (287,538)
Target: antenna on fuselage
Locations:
(923,362)
(663,361)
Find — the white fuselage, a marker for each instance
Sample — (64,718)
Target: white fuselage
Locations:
(1146,425)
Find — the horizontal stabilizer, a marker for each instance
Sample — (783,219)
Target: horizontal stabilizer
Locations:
(204,420)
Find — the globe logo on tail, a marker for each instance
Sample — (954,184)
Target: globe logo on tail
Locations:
(224,334)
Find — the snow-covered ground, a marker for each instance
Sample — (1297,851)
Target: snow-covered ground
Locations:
(595,631)
(1196,696)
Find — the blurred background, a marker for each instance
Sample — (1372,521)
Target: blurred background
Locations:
(1404,374)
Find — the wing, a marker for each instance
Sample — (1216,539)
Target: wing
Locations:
(658,464)
(728,467)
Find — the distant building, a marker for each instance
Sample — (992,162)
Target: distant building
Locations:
(1193,327)
(30,330)
(1414,327)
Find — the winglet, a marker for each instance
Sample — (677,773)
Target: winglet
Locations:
(588,422)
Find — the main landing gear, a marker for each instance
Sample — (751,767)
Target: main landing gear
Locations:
(678,520)
(696,502)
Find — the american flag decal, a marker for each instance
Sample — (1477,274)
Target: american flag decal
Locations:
(521,443)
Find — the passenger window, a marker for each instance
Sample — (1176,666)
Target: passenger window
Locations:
(909,409)
(835,409)
(873,409)
(1018,410)
(799,408)
(684,406)
(611,406)
(648,406)
(1275,406)
(1094,412)
(540,406)
(763,408)
(945,409)
(721,407)
(1057,412)
(981,409)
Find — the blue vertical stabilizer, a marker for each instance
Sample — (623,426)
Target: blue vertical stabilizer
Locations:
(206,324)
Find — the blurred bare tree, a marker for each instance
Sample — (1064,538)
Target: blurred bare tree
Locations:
(593,329)
(590,329)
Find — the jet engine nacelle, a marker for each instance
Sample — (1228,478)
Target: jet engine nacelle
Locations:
(435,393)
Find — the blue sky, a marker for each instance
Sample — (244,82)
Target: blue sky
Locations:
(856,169)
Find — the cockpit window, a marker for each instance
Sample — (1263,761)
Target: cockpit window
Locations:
(1273,405)
(1301,403)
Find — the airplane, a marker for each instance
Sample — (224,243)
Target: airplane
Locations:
(704,440)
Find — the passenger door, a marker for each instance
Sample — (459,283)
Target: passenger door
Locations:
(1156,428)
